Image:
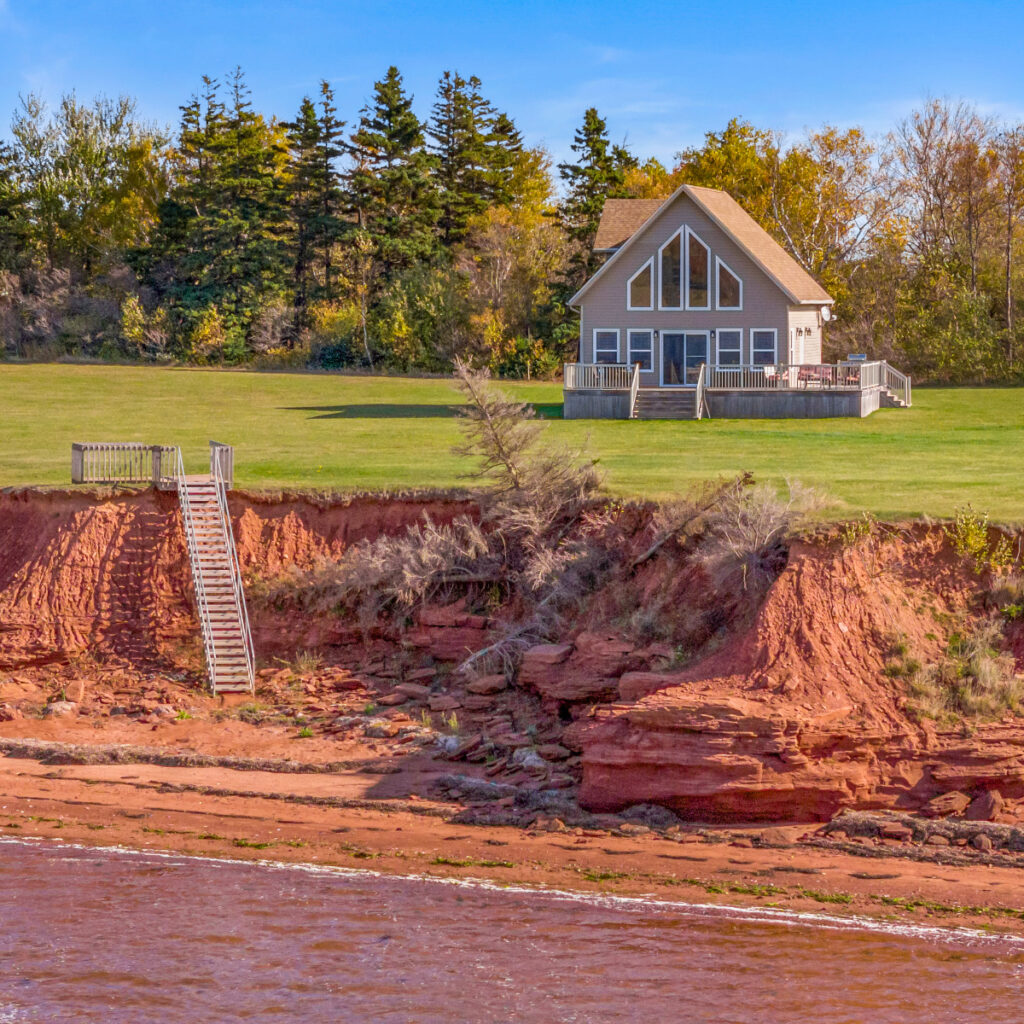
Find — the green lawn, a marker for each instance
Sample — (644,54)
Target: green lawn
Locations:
(356,433)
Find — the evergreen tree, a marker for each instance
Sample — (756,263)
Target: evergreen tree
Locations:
(221,237)
(597,174)
(315,200)
(15,229)
(476,147)
(393,193)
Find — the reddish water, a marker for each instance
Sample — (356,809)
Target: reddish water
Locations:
(97,936)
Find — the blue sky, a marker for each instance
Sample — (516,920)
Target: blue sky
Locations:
(661,73)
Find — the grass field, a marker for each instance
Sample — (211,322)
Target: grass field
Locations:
(356,433)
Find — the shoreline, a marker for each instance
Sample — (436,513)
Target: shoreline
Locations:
(330,820)
(750,913)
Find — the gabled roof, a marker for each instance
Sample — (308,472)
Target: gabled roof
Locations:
(621,219)
(731,218)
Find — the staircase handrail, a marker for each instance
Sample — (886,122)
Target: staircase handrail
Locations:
(700,401)
(894,380)
(236,570)
(634,390)
(191,543)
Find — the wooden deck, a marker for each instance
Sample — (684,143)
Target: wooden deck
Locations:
(614,391)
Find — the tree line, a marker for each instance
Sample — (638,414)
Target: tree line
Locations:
(403,243)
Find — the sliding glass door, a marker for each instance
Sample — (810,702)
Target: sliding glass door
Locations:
(682,352)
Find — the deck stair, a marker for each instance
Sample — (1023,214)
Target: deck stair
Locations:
(666,404)
(217,579)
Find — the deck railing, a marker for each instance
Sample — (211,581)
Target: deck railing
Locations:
(123,462)
(802,377)
(222,463)
(634,390)
(597,376)
(851,376)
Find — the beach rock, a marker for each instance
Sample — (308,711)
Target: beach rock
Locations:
(414,691)
(981,842)
(630,828)
(486,685)
(443,702)
(420,675)
(985,807)
(75,691)
(553,752)
(525,757)
(946,804)
(896,830)
(61,708)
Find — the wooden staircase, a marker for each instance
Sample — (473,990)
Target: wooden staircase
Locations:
(217,579)
(666,404)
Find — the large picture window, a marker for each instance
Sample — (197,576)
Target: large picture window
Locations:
(730,346)
(730,287)
(672,273)
(606,346)
(641,349)
(698,273)
(640,289)
(763,347)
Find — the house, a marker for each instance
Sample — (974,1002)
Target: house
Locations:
(699,311)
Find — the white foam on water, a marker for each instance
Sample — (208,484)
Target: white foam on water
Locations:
(646,902)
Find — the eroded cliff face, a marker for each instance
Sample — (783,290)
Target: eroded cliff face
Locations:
(83,574)
(795,717)
(791,718)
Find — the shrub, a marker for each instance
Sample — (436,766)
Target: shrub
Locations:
(969,536)
(975,680)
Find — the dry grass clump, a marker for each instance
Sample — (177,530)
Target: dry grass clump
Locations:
(744,546)
(975,680)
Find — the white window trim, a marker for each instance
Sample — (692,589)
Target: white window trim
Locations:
(682,270)
(719,263)
(629,346)
(719,331)
(629,289)
(690,233)
(606,330)
(775,344)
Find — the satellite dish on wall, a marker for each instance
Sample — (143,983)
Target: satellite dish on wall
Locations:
(826,312)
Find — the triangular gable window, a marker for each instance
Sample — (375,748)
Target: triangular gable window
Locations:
(640,288)
(730,287)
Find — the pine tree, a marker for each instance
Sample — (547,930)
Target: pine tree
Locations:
(15,229)
(221,238)
(393,193)
(315,200)
(599,173)
(476,147)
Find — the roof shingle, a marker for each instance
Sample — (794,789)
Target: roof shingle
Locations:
(622,218)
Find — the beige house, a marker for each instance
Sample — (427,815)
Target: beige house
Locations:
(699,311)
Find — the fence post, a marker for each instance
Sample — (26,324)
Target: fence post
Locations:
(77,463)
(157,454)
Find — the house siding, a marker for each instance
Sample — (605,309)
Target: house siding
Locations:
(808,320)
(765,305)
